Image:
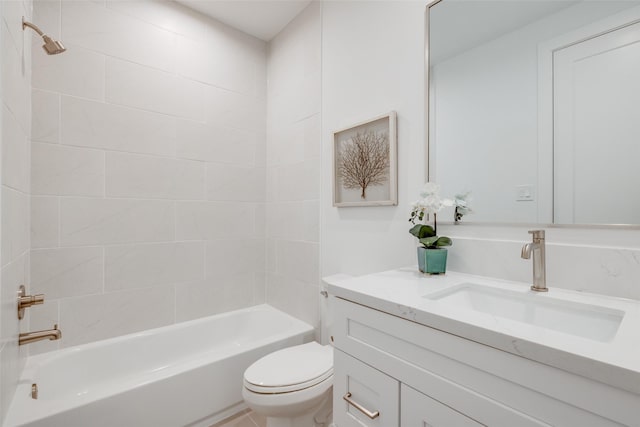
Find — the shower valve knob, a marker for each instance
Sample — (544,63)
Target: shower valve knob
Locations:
(26,301)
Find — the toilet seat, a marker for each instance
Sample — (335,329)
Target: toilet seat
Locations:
(291,369)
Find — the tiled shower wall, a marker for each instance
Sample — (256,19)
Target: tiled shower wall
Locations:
(15,76)
(148,169)
(293,167)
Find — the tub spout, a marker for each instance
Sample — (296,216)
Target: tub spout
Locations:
(47,334)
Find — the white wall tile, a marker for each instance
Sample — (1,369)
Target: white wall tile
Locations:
(15,153)
(142,87)
(12,357)
(139,176)
(199,299)
(15,224)
(92,26)
(96,317)
(312,137)
(78,72)
(294,297)
(15,76)
(12,11)
(47,13)
(13,275)
(235,183)
(299,260)
(293,221)
(236,110)
(298,182)
(65,272)
(214,220)
(169,15)
(44,222)
(113,127)
(226,67)
(216,143)
(66,171)
(230,257)
(286,144)
(259,288)
(214,295)
(107,221)
(45,124)
(140,266)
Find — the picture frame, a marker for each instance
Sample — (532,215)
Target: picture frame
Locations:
(365,163)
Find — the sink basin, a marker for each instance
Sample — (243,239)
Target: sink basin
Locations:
(583,320)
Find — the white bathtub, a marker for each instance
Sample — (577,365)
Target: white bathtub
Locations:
(188,374)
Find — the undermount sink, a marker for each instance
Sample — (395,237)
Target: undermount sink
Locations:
(578,319)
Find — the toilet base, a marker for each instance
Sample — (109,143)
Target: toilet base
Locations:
(321,416)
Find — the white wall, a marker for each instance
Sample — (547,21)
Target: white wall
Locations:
(293,167)
(15,124)
(372,63)
(148,169)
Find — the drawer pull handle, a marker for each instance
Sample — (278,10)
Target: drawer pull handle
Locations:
(359,407)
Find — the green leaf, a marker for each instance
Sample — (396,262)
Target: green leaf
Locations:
(436,242)
(421,231)
(444,241)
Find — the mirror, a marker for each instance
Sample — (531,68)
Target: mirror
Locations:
(533,109)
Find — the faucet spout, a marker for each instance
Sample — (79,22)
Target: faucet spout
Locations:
(50,334)
(526,250)
(537,248)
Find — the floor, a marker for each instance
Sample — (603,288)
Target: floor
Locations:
(246,418)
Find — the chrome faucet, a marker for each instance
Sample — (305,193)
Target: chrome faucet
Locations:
(539,263)
(50,334)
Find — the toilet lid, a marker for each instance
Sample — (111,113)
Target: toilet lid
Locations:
(290,369)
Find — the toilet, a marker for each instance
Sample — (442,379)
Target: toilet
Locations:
(293,387)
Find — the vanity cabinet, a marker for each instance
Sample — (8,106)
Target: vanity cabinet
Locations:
(414,375)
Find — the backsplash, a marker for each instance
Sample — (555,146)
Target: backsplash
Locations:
(602,261)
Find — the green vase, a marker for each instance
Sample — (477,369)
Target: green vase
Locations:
(432,261)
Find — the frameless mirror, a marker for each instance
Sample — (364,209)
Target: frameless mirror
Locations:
(533,108)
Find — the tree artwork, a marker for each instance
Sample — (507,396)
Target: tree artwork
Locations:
(364,161)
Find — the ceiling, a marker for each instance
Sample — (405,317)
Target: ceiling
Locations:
(260,18)
(457,26)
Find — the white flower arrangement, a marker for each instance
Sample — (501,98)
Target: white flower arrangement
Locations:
(430,202)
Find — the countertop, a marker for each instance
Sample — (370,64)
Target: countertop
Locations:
(404,293)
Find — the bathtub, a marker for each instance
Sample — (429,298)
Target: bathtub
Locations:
(187,374)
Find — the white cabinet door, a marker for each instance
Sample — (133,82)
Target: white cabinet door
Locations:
(374,398)
(419,410)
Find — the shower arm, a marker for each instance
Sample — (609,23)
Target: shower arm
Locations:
(32,26)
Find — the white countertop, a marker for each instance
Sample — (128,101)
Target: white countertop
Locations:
(402,293)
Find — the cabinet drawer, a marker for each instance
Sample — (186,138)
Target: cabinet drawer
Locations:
(419,410)
(367,388)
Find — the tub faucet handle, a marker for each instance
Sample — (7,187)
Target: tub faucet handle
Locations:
(26,301)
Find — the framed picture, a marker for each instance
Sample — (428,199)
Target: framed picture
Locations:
(365,163)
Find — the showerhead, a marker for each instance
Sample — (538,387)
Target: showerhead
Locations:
(51,46)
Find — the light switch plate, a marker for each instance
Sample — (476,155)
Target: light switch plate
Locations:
(524,193)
